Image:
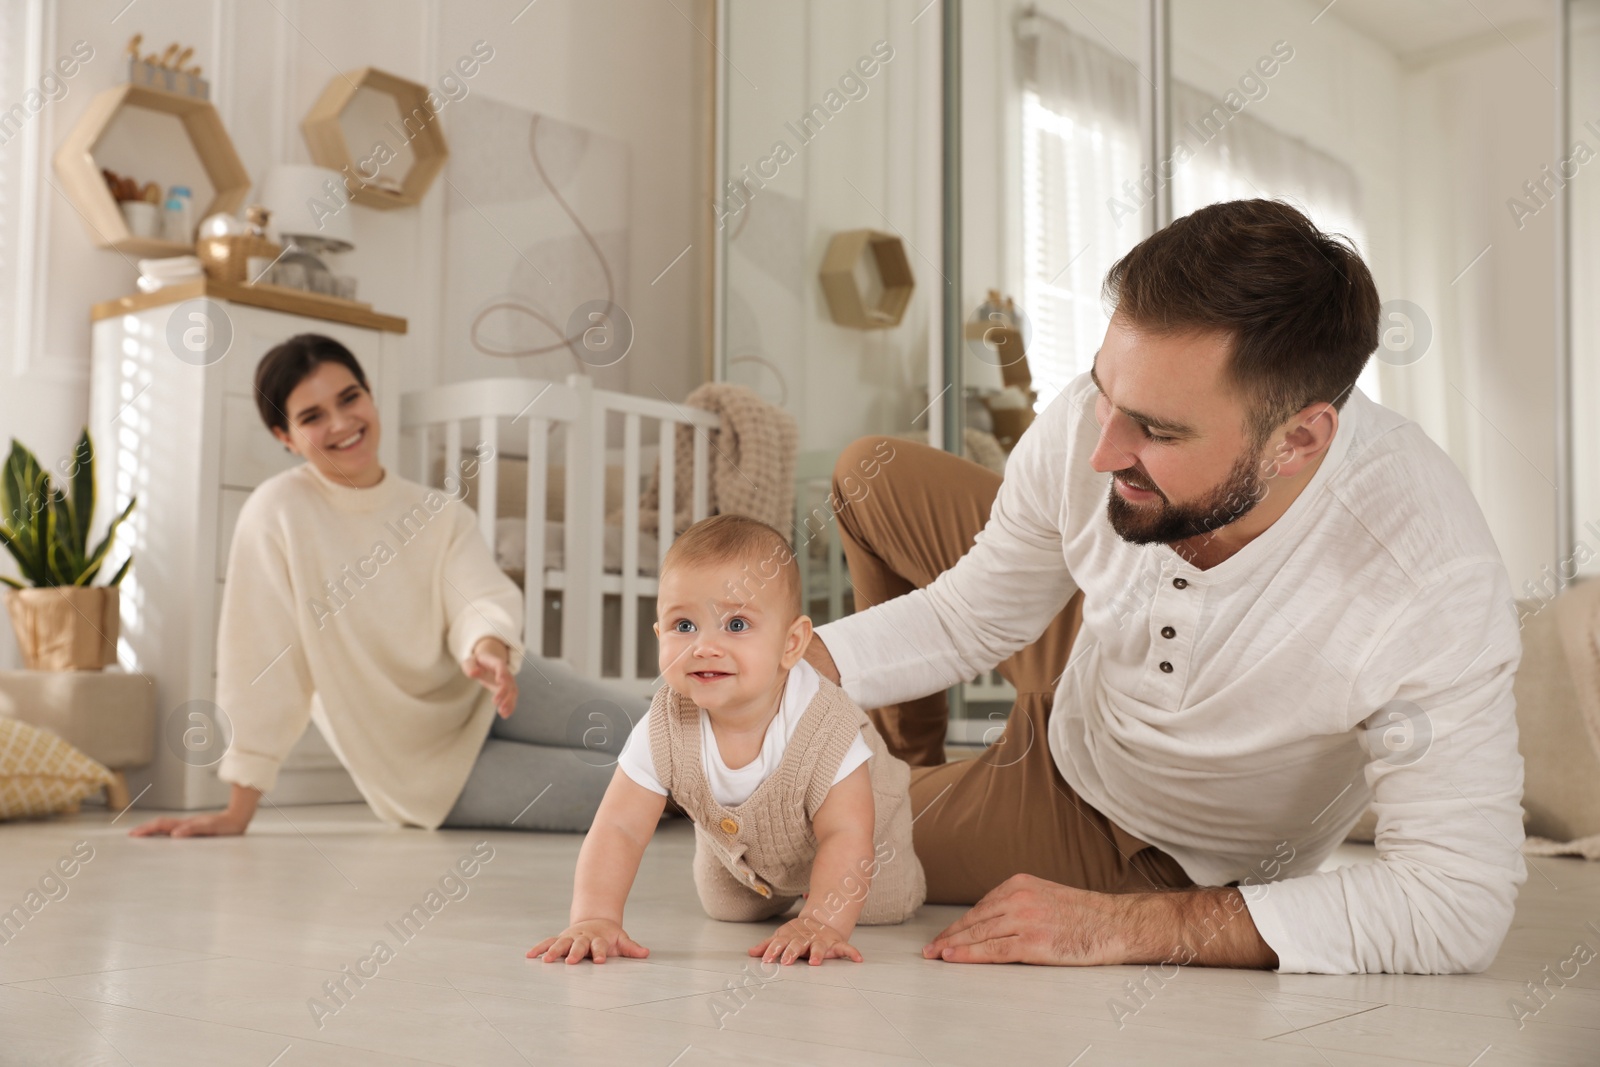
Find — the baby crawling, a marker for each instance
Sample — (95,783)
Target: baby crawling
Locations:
(790,788)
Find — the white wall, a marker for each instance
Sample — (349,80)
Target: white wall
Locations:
(633,71)
(1479,121)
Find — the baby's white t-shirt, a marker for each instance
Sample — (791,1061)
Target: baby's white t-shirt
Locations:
(731,786)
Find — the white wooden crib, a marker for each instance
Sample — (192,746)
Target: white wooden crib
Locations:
(588,564)
(592,600)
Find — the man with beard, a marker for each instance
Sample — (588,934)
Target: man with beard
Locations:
(1240,603)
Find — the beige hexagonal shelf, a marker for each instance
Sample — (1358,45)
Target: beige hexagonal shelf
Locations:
(867,279)
(418,131)
(86,188)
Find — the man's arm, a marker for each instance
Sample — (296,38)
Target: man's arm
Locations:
(818,656)
(996,599)
(1029,920)
(1446,782)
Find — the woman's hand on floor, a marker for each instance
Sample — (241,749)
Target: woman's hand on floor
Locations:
(212,824)
(591,937)
(232,820)
(804,936)
(490,666)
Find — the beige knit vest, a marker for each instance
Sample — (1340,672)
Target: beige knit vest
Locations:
(767,842)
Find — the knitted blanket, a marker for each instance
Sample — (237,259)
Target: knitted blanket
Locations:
(752,457)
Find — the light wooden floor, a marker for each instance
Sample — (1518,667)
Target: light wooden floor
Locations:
(210,952)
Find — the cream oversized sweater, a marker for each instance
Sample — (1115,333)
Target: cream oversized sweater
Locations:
(355,607)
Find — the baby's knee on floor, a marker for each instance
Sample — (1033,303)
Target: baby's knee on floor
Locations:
(743,906)
(887,917)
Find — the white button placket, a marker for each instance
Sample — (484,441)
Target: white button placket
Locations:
(1174,611)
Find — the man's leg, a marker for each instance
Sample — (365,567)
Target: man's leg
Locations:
(517,785)
(904,525)
(907,512)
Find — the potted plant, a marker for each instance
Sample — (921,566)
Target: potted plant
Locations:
(63,621)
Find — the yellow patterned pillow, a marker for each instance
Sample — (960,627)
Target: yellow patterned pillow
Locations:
(40,774)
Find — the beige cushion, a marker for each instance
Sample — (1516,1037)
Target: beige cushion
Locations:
(40,774)
(1562,791)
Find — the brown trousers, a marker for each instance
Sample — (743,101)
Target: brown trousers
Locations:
(1008,811)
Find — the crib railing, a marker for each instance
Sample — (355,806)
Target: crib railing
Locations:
(598,421)
(535,420)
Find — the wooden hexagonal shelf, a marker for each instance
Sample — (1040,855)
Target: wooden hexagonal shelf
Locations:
(867,279)
(419,131)
(86,188)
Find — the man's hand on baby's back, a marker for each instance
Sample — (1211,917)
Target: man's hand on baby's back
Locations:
(597,938)
(809,937)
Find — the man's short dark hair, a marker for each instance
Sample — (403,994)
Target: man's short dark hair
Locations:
(1299,304)
(289,364)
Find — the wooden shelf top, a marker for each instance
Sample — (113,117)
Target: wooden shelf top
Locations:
(271,297)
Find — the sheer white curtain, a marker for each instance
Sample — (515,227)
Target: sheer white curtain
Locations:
(1080,141)
(1081,196)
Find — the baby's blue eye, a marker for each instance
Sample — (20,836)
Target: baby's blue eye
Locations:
(683,626)
(738,625)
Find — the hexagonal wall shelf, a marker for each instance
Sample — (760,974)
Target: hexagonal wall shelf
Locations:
(419,131)
(86,188)
(867,279)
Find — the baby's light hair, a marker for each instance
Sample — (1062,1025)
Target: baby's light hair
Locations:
(764,551)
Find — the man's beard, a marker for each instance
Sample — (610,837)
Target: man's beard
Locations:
(1165,522)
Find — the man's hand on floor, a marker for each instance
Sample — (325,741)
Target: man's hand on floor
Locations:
(1029,920)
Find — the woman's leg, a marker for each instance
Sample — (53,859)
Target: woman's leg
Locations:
(558,707)
(547,765)
(520,786)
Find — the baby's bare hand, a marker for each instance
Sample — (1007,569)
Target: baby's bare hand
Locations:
(806,937)
(597,938)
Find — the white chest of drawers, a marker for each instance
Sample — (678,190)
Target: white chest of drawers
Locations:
(174,421)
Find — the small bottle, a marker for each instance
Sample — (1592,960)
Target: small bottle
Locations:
(178,225)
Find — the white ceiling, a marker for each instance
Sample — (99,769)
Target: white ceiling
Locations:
(1413,28)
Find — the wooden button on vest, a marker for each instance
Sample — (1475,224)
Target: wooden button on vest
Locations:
(729,826)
